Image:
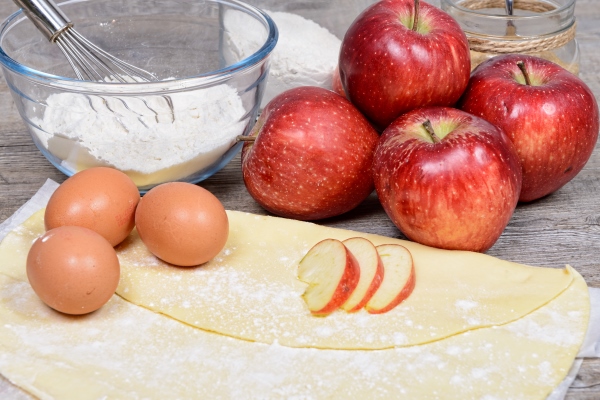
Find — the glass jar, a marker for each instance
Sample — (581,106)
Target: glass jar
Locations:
(543,28)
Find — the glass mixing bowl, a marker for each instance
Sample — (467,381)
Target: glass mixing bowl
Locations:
(183,127)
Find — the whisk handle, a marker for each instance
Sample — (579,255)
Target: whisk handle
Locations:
(46,16)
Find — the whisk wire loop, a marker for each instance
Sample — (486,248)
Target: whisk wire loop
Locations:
(92,63)
(136,74)
(88,61)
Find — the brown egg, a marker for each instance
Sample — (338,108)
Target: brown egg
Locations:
(182,224)
(73,269)
(101,199)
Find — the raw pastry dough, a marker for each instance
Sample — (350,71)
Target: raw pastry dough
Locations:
(127,352)
(250,291)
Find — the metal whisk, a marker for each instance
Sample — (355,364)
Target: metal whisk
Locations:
(89,62)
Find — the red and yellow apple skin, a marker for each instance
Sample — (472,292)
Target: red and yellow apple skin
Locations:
(399,279)
(402,295)
(388,69)
(456,193)
(553,122)
(312,155)
(331,272)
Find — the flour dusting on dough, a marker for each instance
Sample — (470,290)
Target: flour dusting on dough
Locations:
(465,305)
(126,351)
(565,333)
(251,291)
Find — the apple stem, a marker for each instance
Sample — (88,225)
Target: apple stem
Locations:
(241,138)
(521,65)
(416,17)
(429,128)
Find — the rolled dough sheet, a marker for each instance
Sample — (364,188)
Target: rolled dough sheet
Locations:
(125,351)
(250,291)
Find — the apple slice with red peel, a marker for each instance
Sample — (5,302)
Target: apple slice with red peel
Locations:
(371,272)
(331,272)
(398,279)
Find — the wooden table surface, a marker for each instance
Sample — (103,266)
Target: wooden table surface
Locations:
(563,228)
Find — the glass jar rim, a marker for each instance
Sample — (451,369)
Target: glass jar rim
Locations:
(476,12)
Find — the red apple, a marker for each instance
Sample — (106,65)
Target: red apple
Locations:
(551,117)
(331,272)
(371,272)
(453,184)
(390,65)
(398,279)
(311,157)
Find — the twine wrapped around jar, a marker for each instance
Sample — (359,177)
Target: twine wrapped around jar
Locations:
(545,30)
(513,43)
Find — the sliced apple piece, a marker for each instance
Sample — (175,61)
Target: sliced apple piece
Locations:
(371,272)
(331,272)
(398,278)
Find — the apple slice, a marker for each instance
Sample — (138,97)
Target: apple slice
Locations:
(332,274)
(371,272)
(398,279)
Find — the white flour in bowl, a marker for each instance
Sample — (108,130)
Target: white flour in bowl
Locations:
(150,142)
(306,53)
